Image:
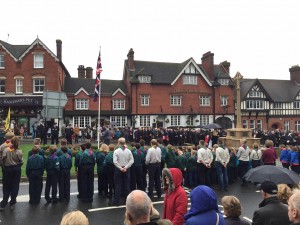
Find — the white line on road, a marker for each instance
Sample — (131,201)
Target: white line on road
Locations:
(246,218)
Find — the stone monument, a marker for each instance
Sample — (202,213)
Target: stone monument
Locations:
(234,135)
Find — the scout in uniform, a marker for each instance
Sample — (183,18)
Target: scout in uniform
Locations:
(65,164)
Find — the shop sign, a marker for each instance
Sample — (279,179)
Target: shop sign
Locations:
(21,101)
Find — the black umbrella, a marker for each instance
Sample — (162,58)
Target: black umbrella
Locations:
(212,126)
(276,174)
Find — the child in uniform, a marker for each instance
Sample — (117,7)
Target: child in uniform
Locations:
(65,164)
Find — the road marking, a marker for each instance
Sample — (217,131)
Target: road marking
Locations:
(246,218)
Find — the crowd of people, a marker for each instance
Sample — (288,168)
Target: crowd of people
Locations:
(122,169)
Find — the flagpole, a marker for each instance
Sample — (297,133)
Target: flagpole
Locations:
(98,125)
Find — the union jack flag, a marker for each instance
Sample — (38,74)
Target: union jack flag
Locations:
(98,82)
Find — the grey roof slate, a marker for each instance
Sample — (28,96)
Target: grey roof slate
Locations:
(72,85)
(15,50)
(277,90)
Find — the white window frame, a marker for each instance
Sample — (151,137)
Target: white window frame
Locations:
(81,104)
(297,125)
(119,121)
(252,124)
(119,104)
(2,61)
(144,79)
(175,100)
(296,104)
(82,121)
(286,125)
(19,85)
(255,94)
(145,100)
(204,100)
(39,85)
(254,104)
(145,121)
(224,100)
(204,120)
(259,124)
(190,79)
(175,120)
(2,86)
(190,121)
(38,60)
(224,81)
(277,105)
(245,123)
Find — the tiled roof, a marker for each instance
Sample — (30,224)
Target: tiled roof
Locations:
(72,85)
(15,50)
(278,90)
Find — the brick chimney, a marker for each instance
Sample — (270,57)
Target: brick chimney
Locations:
(226,66)
(208,64)
(130,57)
(295,74)
(58,49)
(81,71)
(89,72)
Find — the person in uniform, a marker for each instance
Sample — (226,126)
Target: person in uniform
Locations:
(54,134)
(101,170)
(87,164)
(34,172)
(78,172)
(65,165)
(52,168)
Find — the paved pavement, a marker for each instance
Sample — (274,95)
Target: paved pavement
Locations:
(98,211)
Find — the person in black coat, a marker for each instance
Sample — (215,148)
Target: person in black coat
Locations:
(54,134)
(271,209)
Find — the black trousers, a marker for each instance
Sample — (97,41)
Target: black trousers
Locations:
(203,174)
(87,182)
(51,183)
(64,184)
(35,186)
(102,182)
(11,184)
(122,182)
(110,178)
(154,179)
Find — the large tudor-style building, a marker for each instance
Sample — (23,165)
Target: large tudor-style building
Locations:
(155,94)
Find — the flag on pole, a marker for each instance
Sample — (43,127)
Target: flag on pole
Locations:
(97,82)
(7,121)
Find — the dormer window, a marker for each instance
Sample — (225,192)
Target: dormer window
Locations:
(38,60)
(145,79)
(224,81)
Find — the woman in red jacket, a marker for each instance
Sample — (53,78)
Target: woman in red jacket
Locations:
(175,201)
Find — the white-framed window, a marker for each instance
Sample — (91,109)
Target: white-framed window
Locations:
(38,60)
(252,124)
(245,124)
(204,100)
(2,62)
(119,121)
(296,104)
(175,120)
(259,124)
(223,81)
(204,120)
(145,100)
(119,104)
(189,80)
(19,86)
(144,121)
(297,125)
(191,69)
(254,94)
(38,85)
(82,104)
(224,100)
(175,100)
(286,125)
(82,121)
(144,79)
(277,105)
(254,104)
(190,121)
(2,86)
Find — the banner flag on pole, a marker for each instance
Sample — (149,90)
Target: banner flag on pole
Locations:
(97,82)
(7,121)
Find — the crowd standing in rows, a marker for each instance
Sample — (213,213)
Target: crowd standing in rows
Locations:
(197,167)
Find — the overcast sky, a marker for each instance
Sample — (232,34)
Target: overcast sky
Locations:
(260,38)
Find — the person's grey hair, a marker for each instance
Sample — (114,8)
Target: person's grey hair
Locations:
(138,204)
(295,201)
